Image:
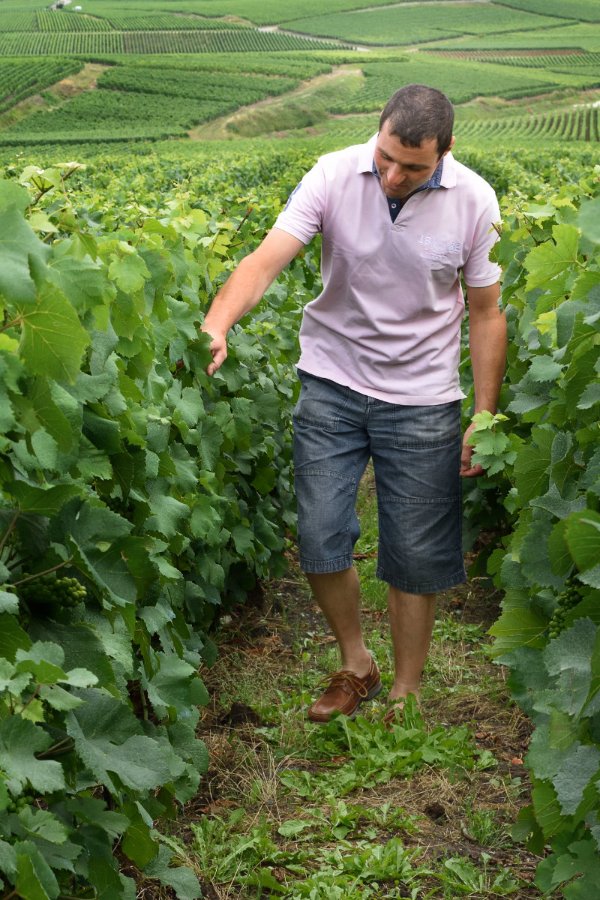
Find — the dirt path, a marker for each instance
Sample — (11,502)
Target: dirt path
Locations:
(217,129)
(277,785)
(84,80)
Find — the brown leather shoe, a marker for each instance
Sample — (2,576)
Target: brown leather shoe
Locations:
(344,693)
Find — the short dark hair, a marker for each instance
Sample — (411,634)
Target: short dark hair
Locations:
(417,113)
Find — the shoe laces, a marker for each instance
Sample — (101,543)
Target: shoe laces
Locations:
(346,677)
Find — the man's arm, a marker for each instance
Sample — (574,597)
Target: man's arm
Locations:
(245,287)
(487,344)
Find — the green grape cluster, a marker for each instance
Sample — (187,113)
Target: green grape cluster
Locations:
(18,803)
(569,598)
(48,590)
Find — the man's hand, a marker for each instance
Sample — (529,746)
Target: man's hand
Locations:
(218,348)
(466,469)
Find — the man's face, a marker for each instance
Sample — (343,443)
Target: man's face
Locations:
(402,169)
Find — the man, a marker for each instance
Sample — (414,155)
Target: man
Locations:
(401,220)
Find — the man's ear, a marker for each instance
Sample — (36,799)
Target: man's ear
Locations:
(450,146)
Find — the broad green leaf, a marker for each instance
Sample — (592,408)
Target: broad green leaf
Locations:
(35,879)
(45,449)
(211,441)
(51,416)
(167,513)
(207,518)
(107,739)
(180,878)
(58,698)
(574,775)
(560,558)
(8,859)
(534,553)
(243,539)
(581,866)
(44,660)
(553,503)
(82,648)
(20,250)
(532,464)
(9,602)
(129,272)
(139,843)
(52,339)
(12,637)
(40,823)
(518,628)
(592,705)
(547,809)
(44,502)
(82,281)
(552,257)
(583,539)
(568,657)
(589,219)
(590,396)
(20,740)
(108,570)
(156,617)
(190,406)
(176,685)
(10,680)
(543,369)
(12,194)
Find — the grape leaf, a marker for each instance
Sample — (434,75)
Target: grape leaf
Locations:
(107,739)
(583,539)
(589,219)
(20,248)
(180,878)
(52,339)
(35,879)
(568,657)
(20,740)
(578,767)
(552,257)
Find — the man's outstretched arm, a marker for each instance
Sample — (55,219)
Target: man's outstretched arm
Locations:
(487,344)
(245,287)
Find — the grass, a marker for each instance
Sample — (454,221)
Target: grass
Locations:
(351,809)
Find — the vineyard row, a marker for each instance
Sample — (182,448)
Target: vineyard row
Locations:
(575,125)
(245,40)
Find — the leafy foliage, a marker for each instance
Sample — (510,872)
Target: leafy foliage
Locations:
(550,482)
(136,496)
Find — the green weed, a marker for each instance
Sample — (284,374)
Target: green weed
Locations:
(461,877)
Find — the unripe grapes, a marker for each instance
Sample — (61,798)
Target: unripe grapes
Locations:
(567,600)
(48,590)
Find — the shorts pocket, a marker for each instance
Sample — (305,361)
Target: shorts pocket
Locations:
(426,427)
(321,403)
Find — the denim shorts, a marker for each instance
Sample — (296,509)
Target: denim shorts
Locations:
(416,460)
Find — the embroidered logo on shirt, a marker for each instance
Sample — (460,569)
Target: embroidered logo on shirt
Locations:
(438,248)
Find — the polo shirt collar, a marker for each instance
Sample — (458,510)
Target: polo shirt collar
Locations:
(448,175)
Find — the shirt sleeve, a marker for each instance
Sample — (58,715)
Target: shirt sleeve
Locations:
(302,216)
(479,270)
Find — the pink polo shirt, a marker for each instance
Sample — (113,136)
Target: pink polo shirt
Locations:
(387,323)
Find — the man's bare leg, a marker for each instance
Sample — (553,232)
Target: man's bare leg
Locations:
(338,595)
(411,621)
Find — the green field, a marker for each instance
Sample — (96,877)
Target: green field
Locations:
(582,36)
(261,12)
(582,10)
(421,23)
